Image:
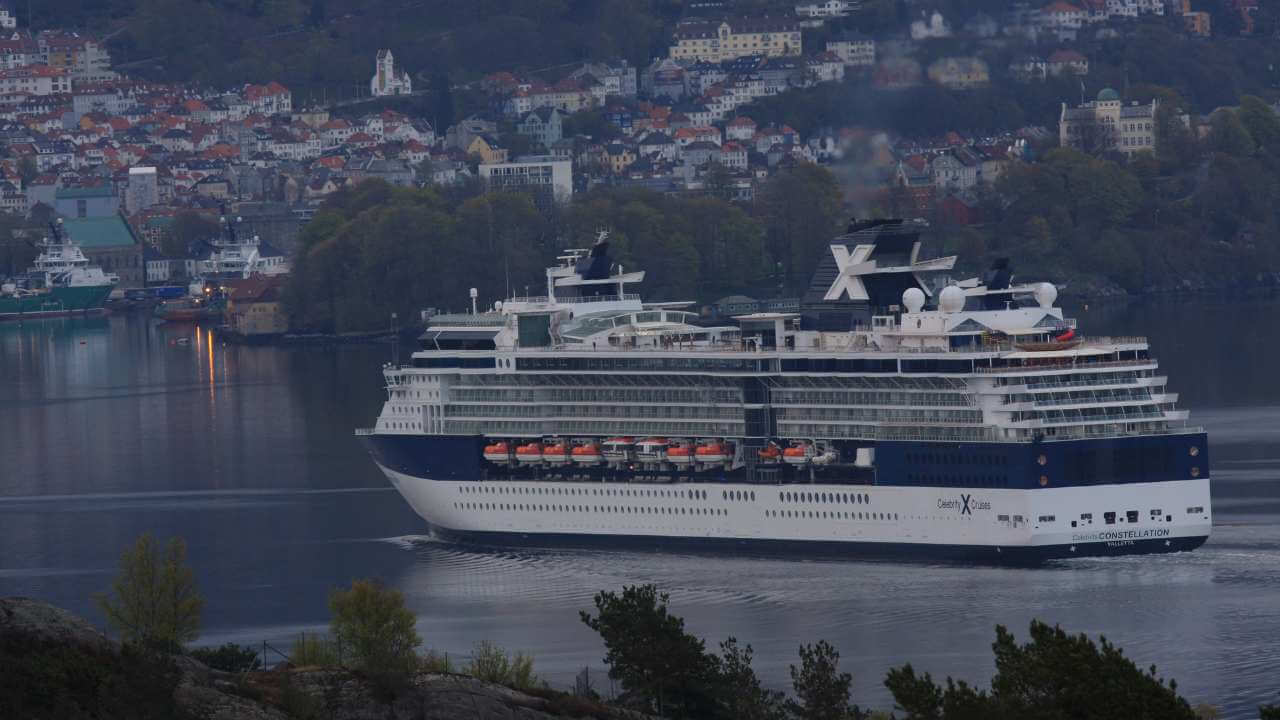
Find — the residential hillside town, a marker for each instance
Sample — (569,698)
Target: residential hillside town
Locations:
(126,157)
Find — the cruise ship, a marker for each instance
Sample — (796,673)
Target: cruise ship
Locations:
(891,416)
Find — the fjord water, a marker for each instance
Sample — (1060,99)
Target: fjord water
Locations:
(110,427)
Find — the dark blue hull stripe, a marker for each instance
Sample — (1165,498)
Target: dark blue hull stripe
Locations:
(1027,466)
(917,552)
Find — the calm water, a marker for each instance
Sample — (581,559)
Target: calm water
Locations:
(109,428)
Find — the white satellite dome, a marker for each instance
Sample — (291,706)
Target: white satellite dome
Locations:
(1045,294)
(951,299)
(913,299)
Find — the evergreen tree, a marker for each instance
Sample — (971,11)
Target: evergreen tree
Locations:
(822,691)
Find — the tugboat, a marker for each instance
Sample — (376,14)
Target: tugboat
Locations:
(61,282)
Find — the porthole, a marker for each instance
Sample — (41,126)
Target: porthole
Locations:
(1195,471)
(1044,480)
(1042,460)
(1195,450)
(753,496)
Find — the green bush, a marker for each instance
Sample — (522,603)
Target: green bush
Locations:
(434,662)
(314,650)
(491,663)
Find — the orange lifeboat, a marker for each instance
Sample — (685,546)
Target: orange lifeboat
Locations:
(531,453)
(499,452)
(587,454)
(796,455)
(556,453)
(680,454)
(712,452)
(617,450)
(771,454)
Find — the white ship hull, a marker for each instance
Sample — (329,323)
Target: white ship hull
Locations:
(929,523)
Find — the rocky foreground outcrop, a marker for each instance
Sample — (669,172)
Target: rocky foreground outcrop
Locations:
(53,664)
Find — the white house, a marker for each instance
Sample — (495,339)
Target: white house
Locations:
(824,9)
(386,80)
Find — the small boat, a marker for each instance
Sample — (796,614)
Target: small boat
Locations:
(618,450)
(531,453)
(797,454)
(499,452)
(556,453)
(770,454)
(587,454)
(712,452)
(1048,346)
(680,453)
(188,310)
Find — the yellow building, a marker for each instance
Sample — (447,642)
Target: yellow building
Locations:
(960,73)
(718,40)
(254,307)
(488,150)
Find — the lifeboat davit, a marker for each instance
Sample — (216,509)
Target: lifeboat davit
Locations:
(651,449)
(587,454)
(680,454)
(498,452)
(531,453)
(770,454)
(712,452)
(557,454)
(617,449)
(796,455)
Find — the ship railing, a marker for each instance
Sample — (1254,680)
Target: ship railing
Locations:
(1066,366)
(366,431)
(571,300)
(1113,380)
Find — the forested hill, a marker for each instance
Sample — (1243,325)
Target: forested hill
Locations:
(325,48)
(330,44)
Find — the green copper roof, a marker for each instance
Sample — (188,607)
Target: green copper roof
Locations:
(1108,94)
(99,232)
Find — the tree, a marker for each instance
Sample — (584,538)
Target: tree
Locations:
(374,628)
(1229,135)
(1261,122)
(1055,676)
(188,229)
(822,691)
(649,652)
(743,695)
(1269,712)
(155,603)
(800,207)
(27,170)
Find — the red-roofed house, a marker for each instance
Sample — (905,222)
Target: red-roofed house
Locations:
(740,128)
(1068,62)
(270,99)
(1062,18)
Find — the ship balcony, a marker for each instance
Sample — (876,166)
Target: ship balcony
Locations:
(1153,381)
(1177,415)
(1080,403)
(1082,385)
(1039,370)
